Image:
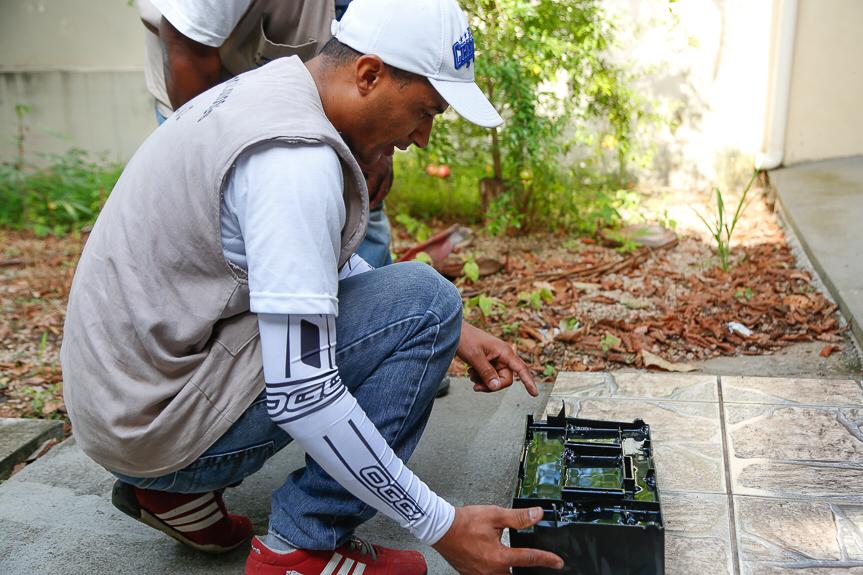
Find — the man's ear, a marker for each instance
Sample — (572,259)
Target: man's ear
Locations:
(369,70)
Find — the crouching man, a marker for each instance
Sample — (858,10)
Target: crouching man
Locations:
(219,312)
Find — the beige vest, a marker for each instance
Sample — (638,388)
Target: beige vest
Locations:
(273,29)
(160,353)
(268,30)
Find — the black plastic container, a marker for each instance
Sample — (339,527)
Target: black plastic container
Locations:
(596,482)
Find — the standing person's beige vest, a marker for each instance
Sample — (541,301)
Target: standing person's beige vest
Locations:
(273,29)
(268,30)
(160,353)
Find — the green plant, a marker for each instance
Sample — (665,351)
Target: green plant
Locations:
(536,298)
(64,196)
(510,328)
(416,194)
(424,258)
(43,346)
(608,342)
(627,242)
(39,396)
(666,221)
(470,269)
(570,113)
(502,215)
(745,293)
(722,229)
(573,245)
(487,305)
(415,228)
(569,324)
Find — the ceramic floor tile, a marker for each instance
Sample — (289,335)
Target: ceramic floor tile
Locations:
(697,534)
(780,390)
(798,479)
(686,437)
(799,536)
(668,420)
(769,569)
(672,386)
(795,451)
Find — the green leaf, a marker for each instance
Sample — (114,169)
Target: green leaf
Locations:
(608,342)
(485,305)
(471,270)
(424,258)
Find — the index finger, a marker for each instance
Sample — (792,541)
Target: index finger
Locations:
(524,557)
(516,364)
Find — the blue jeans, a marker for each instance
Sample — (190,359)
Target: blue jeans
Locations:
(397,330)
(375,249)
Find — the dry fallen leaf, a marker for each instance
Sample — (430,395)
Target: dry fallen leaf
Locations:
(829,350)
(651,360)
(635,302)
(569,336)
(544,285)
(53,405)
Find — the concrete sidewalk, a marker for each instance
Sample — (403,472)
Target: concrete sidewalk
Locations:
(57,518)
(756,474)
(823,203)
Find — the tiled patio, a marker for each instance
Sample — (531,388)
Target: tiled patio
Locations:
(757,475)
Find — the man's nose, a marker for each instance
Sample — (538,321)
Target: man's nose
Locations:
(420,136)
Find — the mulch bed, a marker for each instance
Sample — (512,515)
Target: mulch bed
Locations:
(35,276)
(655,308)
(663,302)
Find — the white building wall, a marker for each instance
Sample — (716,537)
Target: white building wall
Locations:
(825,115)
(706,62)
(78,64)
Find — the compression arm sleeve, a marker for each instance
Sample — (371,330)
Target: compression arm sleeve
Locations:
(307,399)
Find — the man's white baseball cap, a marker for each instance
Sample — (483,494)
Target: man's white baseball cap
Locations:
(427,37)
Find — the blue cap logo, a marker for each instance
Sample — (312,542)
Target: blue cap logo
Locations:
(462,51)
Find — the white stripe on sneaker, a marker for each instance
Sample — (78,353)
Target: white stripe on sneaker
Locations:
(346,567)
(358,570)
(331,566)
(215,517)
(186,507)
(197,515)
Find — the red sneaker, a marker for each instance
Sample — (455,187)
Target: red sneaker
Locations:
(355,558)
(197,519)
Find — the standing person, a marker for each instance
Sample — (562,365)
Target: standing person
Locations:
(200,336)
(192,45)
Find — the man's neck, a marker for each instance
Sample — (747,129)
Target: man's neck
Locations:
(324,81)
(327,82)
